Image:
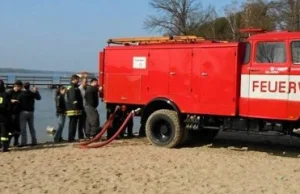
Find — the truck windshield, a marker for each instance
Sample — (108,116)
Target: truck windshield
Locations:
(296,52)
(270,52)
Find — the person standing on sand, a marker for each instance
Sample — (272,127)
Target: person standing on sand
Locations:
(15,117)
(92,115)
(74,106)
(5,109)
(60,112)
(82,119)
(27,99)
(129,126)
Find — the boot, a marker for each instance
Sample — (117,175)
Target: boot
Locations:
(5,146)
(129,132)
(142,132)
(16,139)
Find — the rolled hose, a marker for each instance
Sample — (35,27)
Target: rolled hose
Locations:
(101,144)
(104,129)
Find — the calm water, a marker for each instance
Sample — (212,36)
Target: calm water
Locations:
(45,116)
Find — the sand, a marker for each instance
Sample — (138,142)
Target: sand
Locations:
(229,165)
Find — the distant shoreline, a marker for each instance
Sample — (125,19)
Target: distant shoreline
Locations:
(17,70)
(30,71)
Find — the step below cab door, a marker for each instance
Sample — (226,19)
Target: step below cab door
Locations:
(269,80)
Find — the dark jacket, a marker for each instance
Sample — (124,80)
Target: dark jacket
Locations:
(15,107)
(60,104)
(27,99)
(5,107)
(92,97)
(74,100)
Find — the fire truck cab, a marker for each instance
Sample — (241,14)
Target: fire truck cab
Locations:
(189,87)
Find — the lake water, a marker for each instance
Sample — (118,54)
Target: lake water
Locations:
(45,116)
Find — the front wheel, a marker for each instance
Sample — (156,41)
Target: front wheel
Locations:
(163,128)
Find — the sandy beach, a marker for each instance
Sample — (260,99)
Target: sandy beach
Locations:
(229,165)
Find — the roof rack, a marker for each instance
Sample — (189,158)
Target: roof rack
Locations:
(252,31)
(155,40)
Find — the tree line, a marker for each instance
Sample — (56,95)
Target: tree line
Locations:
(189,17)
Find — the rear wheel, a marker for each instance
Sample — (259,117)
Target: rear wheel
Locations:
(163,128)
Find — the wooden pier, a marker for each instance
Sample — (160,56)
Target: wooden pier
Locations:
(51,82)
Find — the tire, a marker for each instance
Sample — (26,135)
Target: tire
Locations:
(205,136)
(163,129)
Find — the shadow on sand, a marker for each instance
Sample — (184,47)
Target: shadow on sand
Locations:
(283,146)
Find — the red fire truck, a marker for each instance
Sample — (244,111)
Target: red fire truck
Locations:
(191,87)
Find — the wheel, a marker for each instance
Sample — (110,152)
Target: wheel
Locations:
(203,135)
(163,129)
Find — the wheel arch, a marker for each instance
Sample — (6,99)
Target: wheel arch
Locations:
(157,104)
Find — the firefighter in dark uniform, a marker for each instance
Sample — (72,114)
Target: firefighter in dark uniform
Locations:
(15,117)
(74,106)
(5,109)
(91,104)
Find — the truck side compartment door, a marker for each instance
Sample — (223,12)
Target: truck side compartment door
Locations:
(180,72)
(215,79)
(269,78)
(124,75)
(157,82)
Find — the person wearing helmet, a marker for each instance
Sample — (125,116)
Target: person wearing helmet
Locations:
(5,112)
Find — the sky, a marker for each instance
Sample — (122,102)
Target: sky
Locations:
(67,35)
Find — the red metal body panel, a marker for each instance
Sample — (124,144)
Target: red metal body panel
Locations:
(199,78)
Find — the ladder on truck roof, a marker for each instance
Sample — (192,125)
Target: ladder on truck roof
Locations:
(155,40)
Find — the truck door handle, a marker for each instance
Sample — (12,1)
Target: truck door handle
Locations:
(172,73)
(204,74)
(123,98)
(254,70)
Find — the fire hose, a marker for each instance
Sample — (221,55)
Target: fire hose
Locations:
(86,145)
(104,128)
